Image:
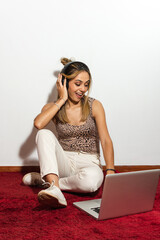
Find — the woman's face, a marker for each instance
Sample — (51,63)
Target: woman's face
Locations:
(78,86)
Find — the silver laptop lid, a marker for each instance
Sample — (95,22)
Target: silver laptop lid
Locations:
(128,193)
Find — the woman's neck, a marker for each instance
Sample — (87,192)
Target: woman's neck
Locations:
(73,104)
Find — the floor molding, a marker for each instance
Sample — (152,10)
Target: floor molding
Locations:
(19,168)
(121,168)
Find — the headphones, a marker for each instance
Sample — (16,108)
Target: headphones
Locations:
(64,71)
(82,67)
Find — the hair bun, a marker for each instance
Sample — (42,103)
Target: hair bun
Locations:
(64,61)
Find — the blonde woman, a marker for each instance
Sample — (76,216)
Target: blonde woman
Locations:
(71,162)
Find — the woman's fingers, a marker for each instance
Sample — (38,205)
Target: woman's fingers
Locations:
(59,83)
(62,90)
(59,80)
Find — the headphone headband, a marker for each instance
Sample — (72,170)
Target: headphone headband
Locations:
(66,66)
(83,66)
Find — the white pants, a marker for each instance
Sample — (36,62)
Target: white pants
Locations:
(77,171)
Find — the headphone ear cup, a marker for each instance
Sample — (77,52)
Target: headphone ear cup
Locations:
(67,85)
(63,79)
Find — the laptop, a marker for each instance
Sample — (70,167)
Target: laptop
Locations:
(123,194)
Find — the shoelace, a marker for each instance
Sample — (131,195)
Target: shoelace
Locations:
(52,185)
(47,184)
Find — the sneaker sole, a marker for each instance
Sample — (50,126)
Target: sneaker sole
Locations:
(50,200)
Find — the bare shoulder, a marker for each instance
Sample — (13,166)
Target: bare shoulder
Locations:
(48,105)
(97,108)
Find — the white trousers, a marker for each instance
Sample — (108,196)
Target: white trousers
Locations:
(77,171)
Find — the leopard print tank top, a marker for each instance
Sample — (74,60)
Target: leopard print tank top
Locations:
(79,138)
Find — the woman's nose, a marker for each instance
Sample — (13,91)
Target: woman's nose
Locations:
(82,88)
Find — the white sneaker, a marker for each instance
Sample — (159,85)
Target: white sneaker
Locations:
(32,179)
(52,196)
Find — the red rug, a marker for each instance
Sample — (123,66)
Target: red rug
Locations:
(21,217)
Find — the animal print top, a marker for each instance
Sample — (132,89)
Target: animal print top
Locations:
(82,138)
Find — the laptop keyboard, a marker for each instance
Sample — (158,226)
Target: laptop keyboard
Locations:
(97,209)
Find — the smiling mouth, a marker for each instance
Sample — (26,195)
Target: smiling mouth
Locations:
(79,95)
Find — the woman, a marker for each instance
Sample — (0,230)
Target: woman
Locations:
(71,162)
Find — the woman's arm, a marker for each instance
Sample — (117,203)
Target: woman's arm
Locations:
(49,110)
(47,114)
(106,142)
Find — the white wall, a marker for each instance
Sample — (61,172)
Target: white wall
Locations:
(118,39)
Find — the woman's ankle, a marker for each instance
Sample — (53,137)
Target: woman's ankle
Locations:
(52,177)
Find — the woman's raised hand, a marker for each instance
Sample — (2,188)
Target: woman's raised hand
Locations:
(62,90)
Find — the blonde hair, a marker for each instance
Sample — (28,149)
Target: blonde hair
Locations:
(70,71)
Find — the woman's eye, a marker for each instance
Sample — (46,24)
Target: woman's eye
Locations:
(77,84)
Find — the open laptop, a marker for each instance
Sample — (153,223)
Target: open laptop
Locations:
(124,194)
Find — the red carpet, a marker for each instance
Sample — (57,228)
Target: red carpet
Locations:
(21,217)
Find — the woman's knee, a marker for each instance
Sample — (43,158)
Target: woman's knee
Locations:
(44,133)
(90,179)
